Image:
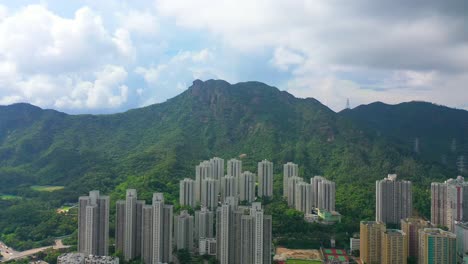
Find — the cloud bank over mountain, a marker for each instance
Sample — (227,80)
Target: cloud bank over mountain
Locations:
(109,56)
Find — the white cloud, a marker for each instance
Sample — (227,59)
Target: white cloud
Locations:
(151,74)
(283,58)
(140,22)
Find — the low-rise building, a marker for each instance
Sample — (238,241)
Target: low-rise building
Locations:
(207,246)
(80,258)
(329,217)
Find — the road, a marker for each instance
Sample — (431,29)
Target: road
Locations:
(12,254)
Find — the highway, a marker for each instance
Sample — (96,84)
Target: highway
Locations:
(10,254)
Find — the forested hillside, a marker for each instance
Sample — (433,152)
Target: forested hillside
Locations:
(152,148)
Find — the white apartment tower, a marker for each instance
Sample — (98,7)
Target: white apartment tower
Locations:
(292,184)
(209,193)
(247,187)
(204,224)
(157,231)
(448,202)
(265,178)
(202,171)
(183,231)
(303,198)
(128,225)
(93,224)
(289,170)
(393,200)
(224,231)
(187,192)
(228,187)
(234,168)
(217,165)
(326,195)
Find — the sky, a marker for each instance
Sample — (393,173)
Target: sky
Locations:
(109,56)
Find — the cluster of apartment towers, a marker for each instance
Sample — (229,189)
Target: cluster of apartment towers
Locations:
(241,234)
(417,238)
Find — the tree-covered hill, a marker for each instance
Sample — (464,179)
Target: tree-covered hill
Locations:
(440,133)
(152,148)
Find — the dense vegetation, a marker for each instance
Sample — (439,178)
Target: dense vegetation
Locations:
(152,148)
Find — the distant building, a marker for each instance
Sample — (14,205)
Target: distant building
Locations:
(207,246)
(354,244)
(411,227)
(247,187)
(437,246)
(81,258)
(209,193)
(225,232)
(204,224)
(202,171)
(183,231)
(228,187)
(234,168)
(71,258)
(447,202)
(393,200)
(265,179)
(371,241)
(93,224)
(461,231)
(303,197)
(329,217)
(292,188)
(128,225)
(322,193)
(289,170)
(394,247)
(217,165)
(187,192)
(157,231)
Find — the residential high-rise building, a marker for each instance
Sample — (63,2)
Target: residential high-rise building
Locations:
(157,231)
(202,171)
(393,200)
(437,246)
(371,241)
(303,197)
(289,170)
(224,231)
(292,185)
(461,231)
(326,195)
(93,224)
(411,227)
(183,231)
(247,187)
(204,224)
(315,184)
(394,247)
(228,187)
(209,193)
(128,225)
(147,235)
(265,178)
(187,192)
(234,168)
(217,165)
(447,202)
(439,204)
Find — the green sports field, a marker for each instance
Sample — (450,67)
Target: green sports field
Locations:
(302,261)
(46,188)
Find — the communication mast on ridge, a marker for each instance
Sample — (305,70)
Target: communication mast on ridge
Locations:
(347,104)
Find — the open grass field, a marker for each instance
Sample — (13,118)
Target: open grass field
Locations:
(46,188)
(302,261)
(9,197)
